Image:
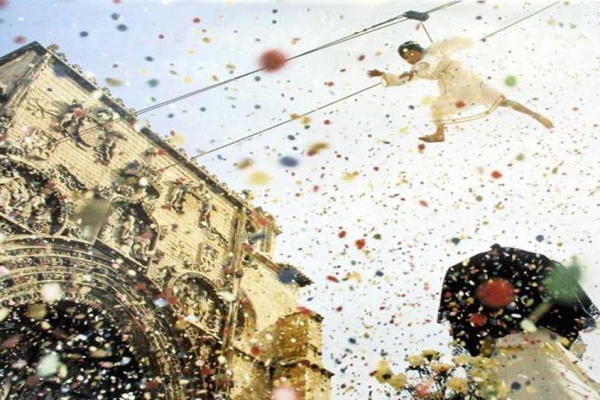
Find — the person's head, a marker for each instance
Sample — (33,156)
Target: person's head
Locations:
(412,52)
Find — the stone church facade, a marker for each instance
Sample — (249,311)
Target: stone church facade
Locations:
(127,270)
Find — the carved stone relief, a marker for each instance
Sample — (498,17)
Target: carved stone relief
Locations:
(27,197)
(180,192)
(132,230)
(5,123)
(197,303)
(142,178)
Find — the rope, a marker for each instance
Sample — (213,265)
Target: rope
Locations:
(276,125)
(483,39)
(427,32)
(382,25)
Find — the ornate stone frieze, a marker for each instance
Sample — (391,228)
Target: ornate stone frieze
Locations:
(197,303)
(28,198)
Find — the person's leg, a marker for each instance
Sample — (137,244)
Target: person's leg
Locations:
(522,109)
(438,136)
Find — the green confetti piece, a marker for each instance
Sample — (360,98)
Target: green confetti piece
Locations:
(563,283)
(510,80)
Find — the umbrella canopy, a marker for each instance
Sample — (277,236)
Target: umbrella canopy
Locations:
(490,294)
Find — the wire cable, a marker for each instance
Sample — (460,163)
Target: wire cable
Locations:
(483,39)
(382,25)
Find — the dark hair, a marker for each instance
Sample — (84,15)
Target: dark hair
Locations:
(406,46)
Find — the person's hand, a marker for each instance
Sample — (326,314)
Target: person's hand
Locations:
(408,75)
(374,73)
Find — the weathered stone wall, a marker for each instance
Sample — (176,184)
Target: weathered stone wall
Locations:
(182,228)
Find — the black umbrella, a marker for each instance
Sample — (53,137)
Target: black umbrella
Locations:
(492,293)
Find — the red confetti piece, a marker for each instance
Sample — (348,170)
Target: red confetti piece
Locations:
(327,122)
(496,293)
(255,350)
(11,342)
(421,147)
(361,57)
(360,243)
(460,104)
(272,60)
(478,319)
(342,234)
(140,286)
(423,203)
(496,175)
(3,3)
(332,278)
(20,39)
(196,20)
(161,152)
(152,385)
(32,380)
(172,300)
(206,371)
(304,310)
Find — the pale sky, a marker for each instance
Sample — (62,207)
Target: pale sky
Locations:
(372,182)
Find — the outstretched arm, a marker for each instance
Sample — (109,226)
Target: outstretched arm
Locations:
(392,79)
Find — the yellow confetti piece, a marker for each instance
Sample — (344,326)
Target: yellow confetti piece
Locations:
(427,100)
(316,148)
(260,178)
(182,325)
(36,311)
(230,67)
(178,139)
(552,22)
(187,79)
(143,71)
(354,275)
(245,163)
(404,129)
(306,120)
(350,176)
(295,116)
(191,51)
(206,40)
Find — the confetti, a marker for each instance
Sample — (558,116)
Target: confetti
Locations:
(272,60)
(260,178)
(496,293)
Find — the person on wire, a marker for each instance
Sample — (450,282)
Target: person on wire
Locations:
(461,91)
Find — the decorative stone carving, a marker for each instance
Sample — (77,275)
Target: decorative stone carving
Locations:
(35,144)
(40,108)
(5,123)
(197,302)
(28,198)
(143,178)
(180,190)
(131,229)
(61,174)
(71,121)
(105,151)
(3,93)
(208,258)
(88,127)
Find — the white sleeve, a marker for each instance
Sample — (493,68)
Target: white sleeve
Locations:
(393,79)
(427,65)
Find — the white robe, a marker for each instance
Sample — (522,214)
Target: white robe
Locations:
(463,95)
(539,367)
